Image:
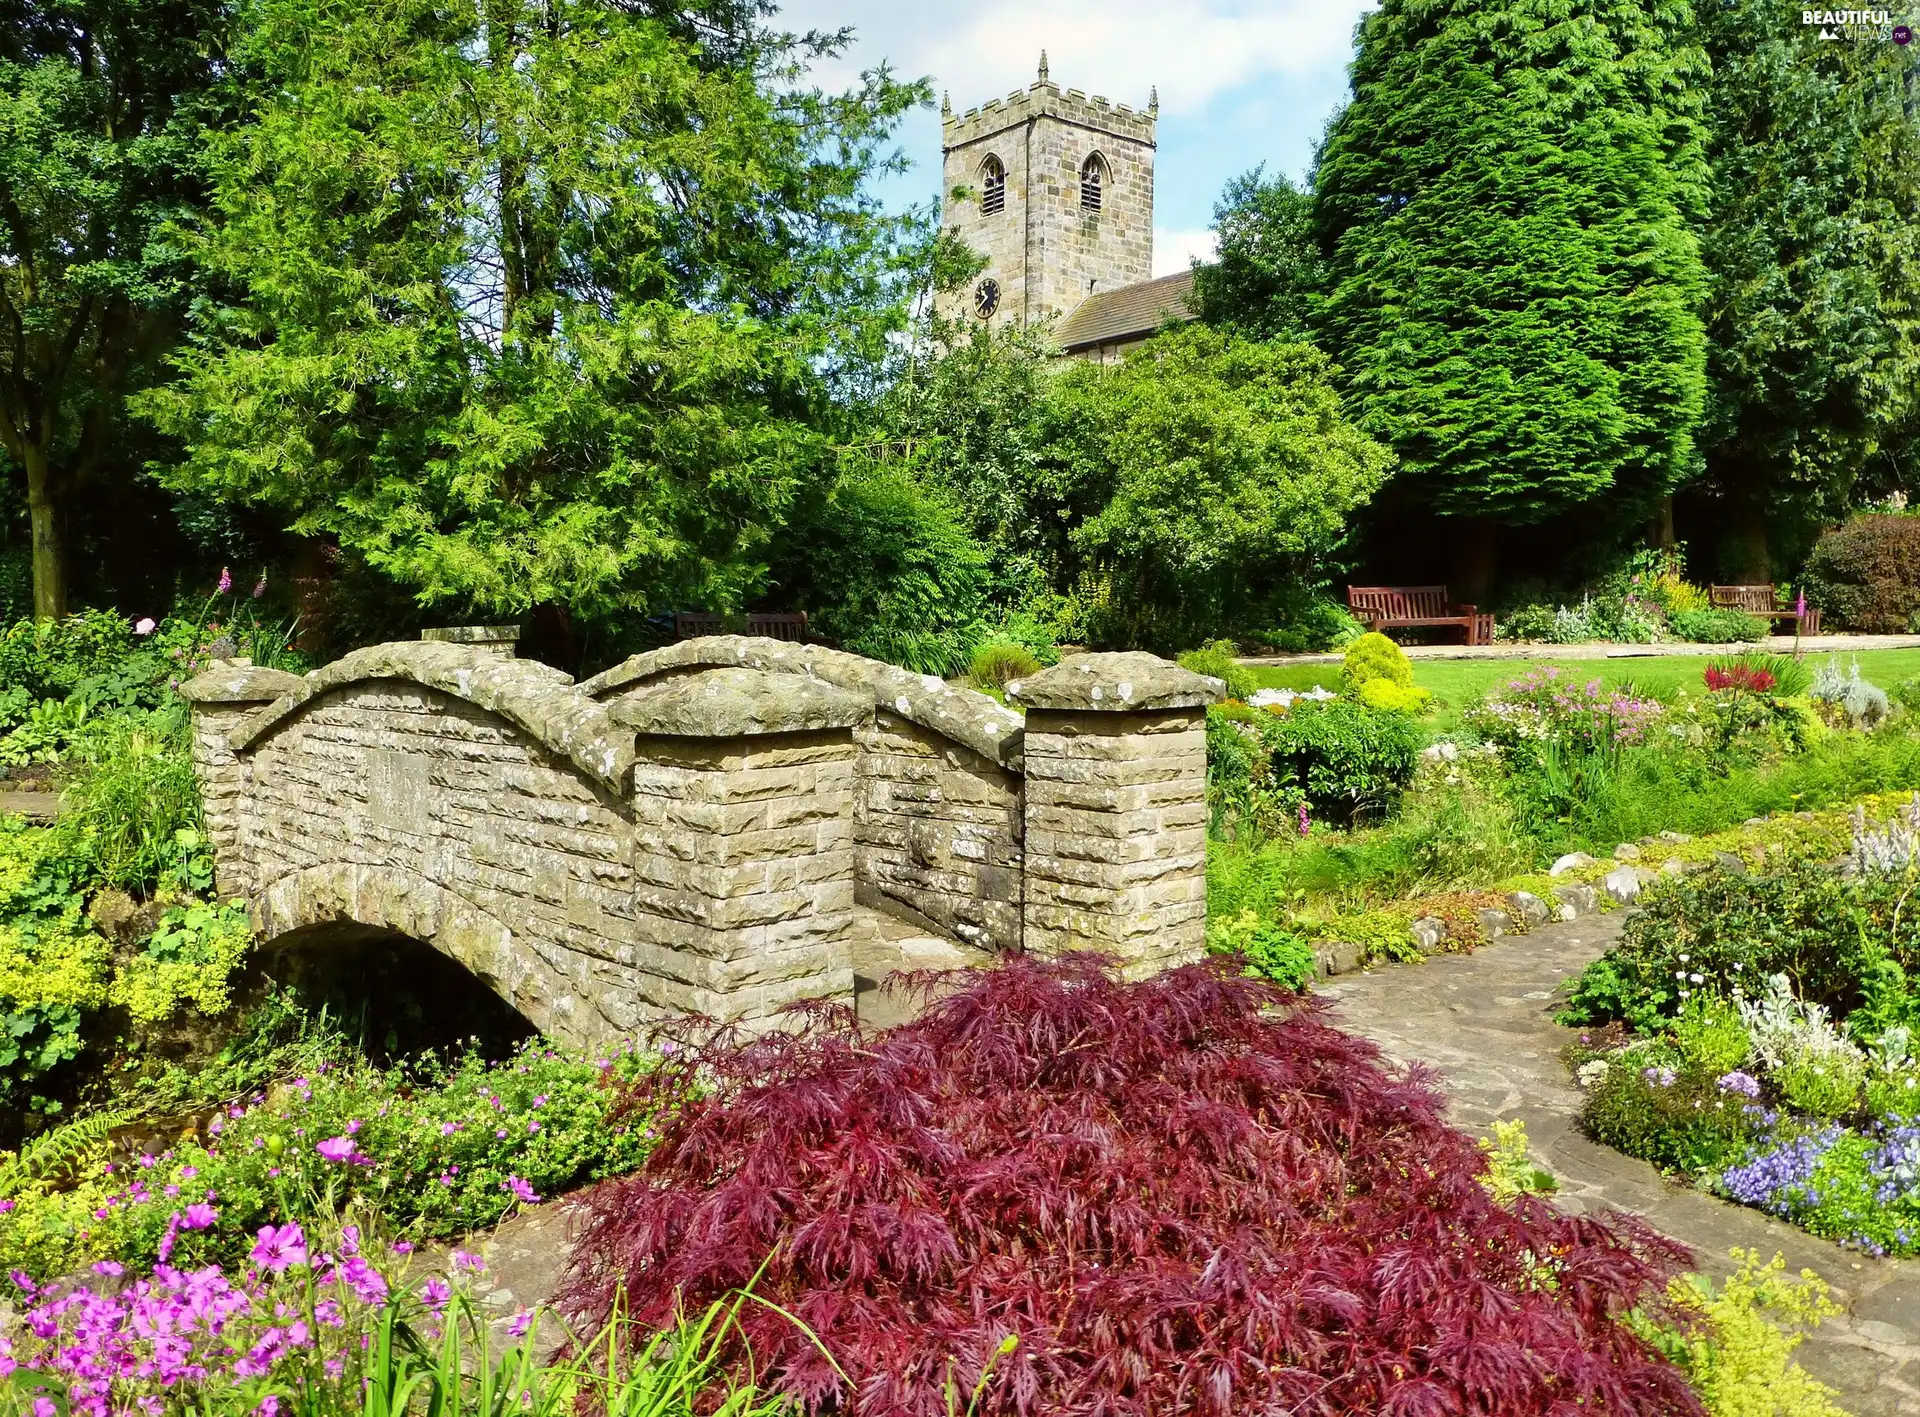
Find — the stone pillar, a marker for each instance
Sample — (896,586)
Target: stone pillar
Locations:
(223,694)
(743,786)
(1115,808)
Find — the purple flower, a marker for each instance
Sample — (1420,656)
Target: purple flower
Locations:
(518,1325)
(1746,1084)
(260,586)
(226,582)
(1780,1180)
(1659,1077)
(198,1217)
(521,1190)
(279,1249)
(435,1293)
(336,1148)
(466,1259)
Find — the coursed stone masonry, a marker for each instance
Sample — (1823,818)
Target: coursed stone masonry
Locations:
(698,829)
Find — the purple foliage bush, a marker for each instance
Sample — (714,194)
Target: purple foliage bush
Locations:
(1187,1195)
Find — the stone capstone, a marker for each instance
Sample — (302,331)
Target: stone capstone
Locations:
(224,682)
(1129,682)
(739,703)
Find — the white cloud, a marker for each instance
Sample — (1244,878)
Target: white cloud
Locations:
(1174,250)
(1193,50)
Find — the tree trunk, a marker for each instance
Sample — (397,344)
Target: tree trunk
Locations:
(1743,550)
(1660,529)
(1476,551)
(47,511)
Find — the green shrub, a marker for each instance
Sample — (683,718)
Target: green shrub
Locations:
(188,962)
(49,657)
(1349,761)
(1374,656)
(1267,949)
(1033,632)
(997,663)
(1217,660)
(1865,575)
(132,798)
(1305,621)
(1710,1036)
(1389,697)
(53,964)
(1716,627)
(1650,1103)
(442,1144)
(1733,1340)
(1528,622)
(1733,930)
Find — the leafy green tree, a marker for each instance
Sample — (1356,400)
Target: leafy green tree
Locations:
(1509,204)
(1198,477)
(537,301)
(1813,252)
(100,105)
(1270,268)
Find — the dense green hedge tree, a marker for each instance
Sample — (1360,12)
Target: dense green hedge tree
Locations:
(1509,204)
(101,103)
(1813,253)
(1270,270)
(536,301)
(1198,475)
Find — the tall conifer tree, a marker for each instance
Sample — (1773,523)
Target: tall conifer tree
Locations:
(1813,254)
(1510,205)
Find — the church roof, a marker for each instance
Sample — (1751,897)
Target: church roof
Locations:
(1131,312)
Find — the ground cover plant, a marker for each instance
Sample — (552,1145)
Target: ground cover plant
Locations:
(321,1322)
(434,1150)
(1187,1194)
(1772,1018)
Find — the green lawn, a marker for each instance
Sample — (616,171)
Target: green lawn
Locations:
(1457,682)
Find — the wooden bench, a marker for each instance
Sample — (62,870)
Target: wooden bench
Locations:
(1763,601)
(1381,607)
(692,624)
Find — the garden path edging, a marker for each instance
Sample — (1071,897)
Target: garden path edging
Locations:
(1484,1023)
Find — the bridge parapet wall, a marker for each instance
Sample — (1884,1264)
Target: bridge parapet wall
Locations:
(690,831)
(937,816)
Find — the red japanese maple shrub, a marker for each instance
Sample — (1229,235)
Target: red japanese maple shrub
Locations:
(1188,1195)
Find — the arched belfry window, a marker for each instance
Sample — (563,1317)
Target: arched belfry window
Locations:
(993,186)
(1093,183)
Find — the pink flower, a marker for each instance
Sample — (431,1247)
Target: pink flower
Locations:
(336,1148)
(466,1259)
(521,1190)
(144,625)
(280,1249)
(447,1129)
(435,1293)
(402,1247)
(226,582)
(260,586)
(113,1269)
(518,1325)
(198,1217)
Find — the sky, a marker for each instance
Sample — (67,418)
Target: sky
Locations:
(1242,82)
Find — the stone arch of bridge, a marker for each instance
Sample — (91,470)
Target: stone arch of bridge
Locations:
(391,899)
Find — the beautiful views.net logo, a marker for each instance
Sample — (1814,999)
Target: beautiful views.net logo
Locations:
(1860,25)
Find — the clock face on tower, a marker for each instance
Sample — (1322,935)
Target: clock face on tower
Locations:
(986,297)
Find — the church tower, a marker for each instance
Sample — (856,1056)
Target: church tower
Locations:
(1056,190)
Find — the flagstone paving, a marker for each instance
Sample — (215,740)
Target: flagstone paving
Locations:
(1484,1022)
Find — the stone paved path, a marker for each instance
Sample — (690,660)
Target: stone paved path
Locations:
(1485,1022)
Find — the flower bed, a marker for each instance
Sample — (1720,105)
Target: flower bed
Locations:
(1761,1036)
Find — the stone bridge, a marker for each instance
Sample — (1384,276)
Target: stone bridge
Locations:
(721,827)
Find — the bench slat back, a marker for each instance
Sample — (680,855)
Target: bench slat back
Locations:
(1759,598)
(692,624)
(779,627)
(1398,602)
